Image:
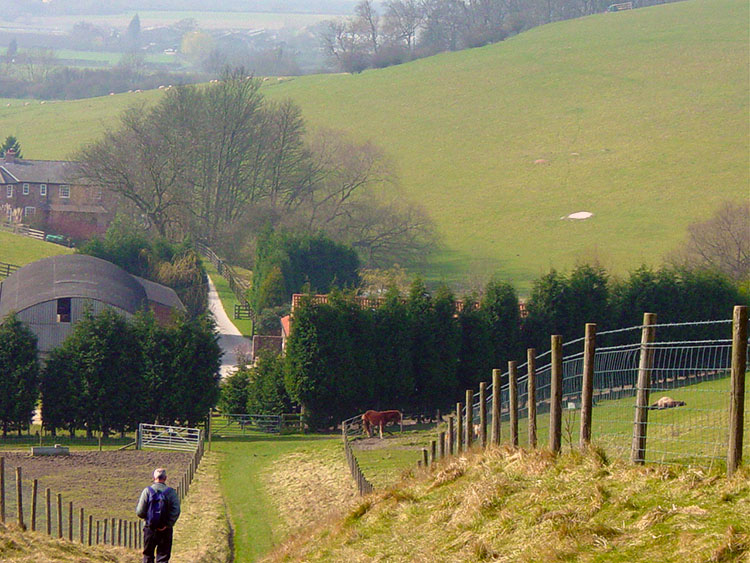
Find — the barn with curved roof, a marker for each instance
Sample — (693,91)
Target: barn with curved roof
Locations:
(50,295)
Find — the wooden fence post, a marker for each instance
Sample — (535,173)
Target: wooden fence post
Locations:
(433,452)
(104,535)
(555,410)
(119,531)
(531,395)
(737,398)
(34,492)
(48,510)
(91,526)
(459,427)
(441,445)
(2,490)
(587,385)
(513,401)
(97,532)
(70,521)
(496,407)
(425,463)
(80,524)
(210,414)
(451,436)
(19,499)
(112,533)
(638,449)
(469,418)
(483,414)
(59,517)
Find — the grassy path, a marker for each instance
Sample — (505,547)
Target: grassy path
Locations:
(228,299)
(254,512)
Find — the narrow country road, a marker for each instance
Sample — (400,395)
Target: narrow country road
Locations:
(230,339)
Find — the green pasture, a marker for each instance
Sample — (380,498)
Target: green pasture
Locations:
(384,466)
(255,519)
(21,250)
(638,117)
(107,57)
(206,20)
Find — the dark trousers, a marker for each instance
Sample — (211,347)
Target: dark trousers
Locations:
(161,541)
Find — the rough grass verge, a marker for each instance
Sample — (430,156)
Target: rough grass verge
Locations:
(203,534)
(510,504)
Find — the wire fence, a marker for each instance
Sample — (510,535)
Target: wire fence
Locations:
(31,508)
(350,428)
(685,405)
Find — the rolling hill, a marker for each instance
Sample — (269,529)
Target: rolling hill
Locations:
(638,117)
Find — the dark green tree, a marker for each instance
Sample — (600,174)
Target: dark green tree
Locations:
(19,374)
(234,392)
(195,363)
(266,393)
(392,342)
(476,350)
(12,49)
(134,31)
(500,306)
(11,143)
(61,390)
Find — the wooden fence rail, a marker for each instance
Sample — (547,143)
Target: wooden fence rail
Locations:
(90,531)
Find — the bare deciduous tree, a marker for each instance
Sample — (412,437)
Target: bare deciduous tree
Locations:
(721,243)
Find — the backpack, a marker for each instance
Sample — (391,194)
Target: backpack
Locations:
(158,508)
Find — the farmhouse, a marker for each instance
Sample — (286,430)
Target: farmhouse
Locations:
(45,194)
(50,295)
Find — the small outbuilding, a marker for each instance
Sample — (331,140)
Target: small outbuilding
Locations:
(52,294)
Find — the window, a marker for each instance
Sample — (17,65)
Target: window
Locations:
(42,189)
(9,191)
(63,310)
(29,211)
(25,189)
(64,192)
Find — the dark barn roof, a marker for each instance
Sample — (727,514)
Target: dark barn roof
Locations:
(38,171)
(79,275)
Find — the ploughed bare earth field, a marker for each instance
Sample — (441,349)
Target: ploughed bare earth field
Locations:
(105,484)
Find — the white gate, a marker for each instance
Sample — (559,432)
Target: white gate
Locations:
(168,437)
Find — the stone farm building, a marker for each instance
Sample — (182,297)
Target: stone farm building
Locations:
(46,195)
(50,295)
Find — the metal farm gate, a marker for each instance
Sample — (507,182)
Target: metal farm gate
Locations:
(240,424)
(168,437)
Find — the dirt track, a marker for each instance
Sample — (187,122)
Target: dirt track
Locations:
(105,483)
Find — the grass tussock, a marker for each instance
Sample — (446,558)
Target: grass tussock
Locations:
(529,506)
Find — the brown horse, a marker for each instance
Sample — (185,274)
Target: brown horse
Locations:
(380,419)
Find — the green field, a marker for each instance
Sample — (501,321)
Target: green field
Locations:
(205,20)
(20,250)
(105,57)
(640,117)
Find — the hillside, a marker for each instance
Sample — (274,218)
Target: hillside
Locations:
(524,506)
(638,117)
(20,250)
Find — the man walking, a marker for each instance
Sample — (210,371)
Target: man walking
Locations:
(159,506)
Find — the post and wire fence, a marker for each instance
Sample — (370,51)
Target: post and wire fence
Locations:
(670,393)
(24,504)
(350,428)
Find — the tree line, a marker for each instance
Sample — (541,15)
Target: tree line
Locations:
(410,29)
(220,163)
(420,351)
(110,374)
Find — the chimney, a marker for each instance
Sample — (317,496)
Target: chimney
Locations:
(10,156)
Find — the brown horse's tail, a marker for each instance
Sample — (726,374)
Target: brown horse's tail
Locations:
(366,423)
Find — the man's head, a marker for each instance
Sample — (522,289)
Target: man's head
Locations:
(160,475)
